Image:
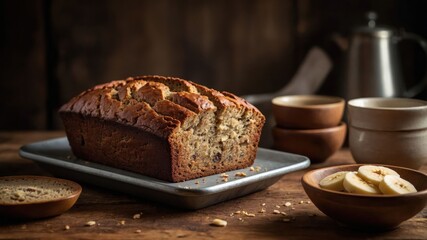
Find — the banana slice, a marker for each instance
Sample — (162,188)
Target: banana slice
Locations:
(355,184)
(375,174)
(395,185)
(334,181)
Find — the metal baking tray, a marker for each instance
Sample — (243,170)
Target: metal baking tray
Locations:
(56,156)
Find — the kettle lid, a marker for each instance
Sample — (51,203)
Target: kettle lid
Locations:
(372,29)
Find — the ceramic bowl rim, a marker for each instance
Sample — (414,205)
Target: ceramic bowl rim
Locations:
(403,131)
(341,126)
(358,103)
(333,101)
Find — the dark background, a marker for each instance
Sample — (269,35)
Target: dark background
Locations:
(53,50)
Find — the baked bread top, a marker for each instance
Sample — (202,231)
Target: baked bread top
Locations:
(156,104)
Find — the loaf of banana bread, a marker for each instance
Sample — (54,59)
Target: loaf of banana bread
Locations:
(163,127)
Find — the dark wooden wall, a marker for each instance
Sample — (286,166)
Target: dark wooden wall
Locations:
(52,50)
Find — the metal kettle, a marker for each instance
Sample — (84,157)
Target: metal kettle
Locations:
(373,67)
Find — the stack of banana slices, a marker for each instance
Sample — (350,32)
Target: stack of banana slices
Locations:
(369,179)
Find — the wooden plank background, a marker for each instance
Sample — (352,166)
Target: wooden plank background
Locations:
(52,50)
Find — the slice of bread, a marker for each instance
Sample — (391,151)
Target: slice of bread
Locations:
(33,189)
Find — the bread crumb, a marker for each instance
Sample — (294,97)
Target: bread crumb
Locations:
(240,174)
(219,222)
(138,231)
(277,206)
(245,213)
(66,227)
(301,202)
(122,222)
(249,214)
(224,177)
(137,216)
(262,210)
(275,211)
(283,213)
(90,223)
(288,204)
(252,169)
(262,204)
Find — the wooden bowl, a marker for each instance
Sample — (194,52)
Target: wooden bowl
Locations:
(28,196)
(316,144)
(307,111)
(373,212)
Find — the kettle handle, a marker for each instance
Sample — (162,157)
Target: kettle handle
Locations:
(417,88)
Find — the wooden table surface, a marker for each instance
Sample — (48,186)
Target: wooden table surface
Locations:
(113,212)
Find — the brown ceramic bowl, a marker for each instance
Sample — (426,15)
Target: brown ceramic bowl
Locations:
(307,111)
(316,144)
(373,212)
(36,207)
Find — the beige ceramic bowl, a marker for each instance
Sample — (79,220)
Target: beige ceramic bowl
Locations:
(387,114)
(38,208)
(388,131)
(316,144)
(400,148)
(377,212)
(307,111)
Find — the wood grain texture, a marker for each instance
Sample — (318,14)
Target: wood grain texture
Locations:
(158,221)
(239,46)
(22,65)
(53,50)
(226,45)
